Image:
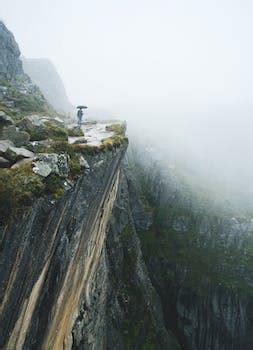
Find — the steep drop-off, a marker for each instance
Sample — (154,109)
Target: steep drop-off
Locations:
(96,255)
(199,259)
(49,257)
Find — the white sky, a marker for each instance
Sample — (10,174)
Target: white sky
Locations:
(184,66)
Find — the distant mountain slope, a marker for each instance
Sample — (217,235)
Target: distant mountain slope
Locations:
(44,74)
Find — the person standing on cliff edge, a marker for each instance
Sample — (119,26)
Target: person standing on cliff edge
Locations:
(79,117)
(80,114)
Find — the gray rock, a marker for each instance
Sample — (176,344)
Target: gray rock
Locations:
(84,163)
(16,153)
(4,145)
(31,122)
(5,119)
(42,169)
(52,163)
(19,138)
(42,128)
(10,63)
(79,141)
(4,163)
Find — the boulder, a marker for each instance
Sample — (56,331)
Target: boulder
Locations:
(4,163)
(31,122)
(16,153)
(19,138)
(4,145)
(80,141)
(5,119)
(42,128)
(47,163)
(42,169)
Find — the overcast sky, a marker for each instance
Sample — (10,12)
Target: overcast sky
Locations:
(183,66)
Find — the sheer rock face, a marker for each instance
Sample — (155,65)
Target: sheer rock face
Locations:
(49,258)
(125,310)
(10,63)
(202,312)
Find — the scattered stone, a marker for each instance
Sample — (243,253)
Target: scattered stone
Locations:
(80,141)
(16,153)
(84,163)
(19,138)
(67,185)
(4,163)
(47,163)
(4,145)
(5,119)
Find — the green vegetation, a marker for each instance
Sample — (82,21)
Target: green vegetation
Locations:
(200,260)
(54,186)
(75,132)
(18,188)
(25,102)
(7,110)
(192,238)
(113,142)
(29,103)
(49,130)
(75,167)
(139,324)
(119,129)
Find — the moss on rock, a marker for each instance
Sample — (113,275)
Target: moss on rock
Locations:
(18,187)
(117,129)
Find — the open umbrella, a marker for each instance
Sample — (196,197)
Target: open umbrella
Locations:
(82,107)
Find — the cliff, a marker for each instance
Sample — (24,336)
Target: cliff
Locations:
(49,257)
(199,260)
(10,63)
(58,185)
(44,74)
(99,250)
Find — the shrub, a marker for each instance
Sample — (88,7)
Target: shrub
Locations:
(54,185)
(18,187)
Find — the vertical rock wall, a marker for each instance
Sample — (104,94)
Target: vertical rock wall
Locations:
(49,257)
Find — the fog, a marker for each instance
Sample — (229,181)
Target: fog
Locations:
(179,71)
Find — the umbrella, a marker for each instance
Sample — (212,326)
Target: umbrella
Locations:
(82,107)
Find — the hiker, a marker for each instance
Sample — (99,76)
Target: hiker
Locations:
(79,117)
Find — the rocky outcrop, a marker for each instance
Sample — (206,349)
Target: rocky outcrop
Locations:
(10,63)
(49,258)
